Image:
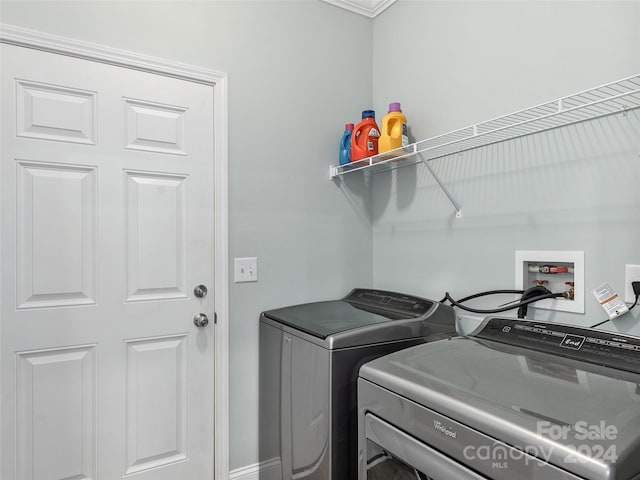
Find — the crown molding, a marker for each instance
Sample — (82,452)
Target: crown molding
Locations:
(368,8)
(24,37)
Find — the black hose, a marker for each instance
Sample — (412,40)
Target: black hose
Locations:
(533,292)
(481,294)
(499,310)
(490,292)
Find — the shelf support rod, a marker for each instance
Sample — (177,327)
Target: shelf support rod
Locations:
(455,204)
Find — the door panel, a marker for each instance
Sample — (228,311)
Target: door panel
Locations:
(52,112)
(156,236)
(56,223)
(156,396)
(106,226)
(155,128)
(56,392)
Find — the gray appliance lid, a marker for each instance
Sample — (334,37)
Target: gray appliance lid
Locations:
(521,393)
(360,308)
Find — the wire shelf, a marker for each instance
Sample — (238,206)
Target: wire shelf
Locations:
(617,97)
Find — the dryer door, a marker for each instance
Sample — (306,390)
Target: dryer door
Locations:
(392,453)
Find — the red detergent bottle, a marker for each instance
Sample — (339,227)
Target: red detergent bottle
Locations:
(364,139)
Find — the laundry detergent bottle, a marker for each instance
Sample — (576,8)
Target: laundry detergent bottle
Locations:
(394,129)
(364,139)
(345,144)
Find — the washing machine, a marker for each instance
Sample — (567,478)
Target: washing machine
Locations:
(309,360)
(513,400)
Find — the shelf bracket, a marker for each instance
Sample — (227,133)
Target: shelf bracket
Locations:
(455,204)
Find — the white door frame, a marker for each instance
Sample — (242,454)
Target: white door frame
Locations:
(218,81)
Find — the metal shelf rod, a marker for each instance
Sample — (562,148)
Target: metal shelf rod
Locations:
(455,204)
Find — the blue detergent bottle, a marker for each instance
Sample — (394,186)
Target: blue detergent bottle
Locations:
(345,144)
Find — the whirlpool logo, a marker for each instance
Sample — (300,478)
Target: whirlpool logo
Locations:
(444,429)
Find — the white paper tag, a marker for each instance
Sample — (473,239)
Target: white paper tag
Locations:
(610,301)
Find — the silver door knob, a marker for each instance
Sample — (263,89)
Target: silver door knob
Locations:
(200,320)
(200,291)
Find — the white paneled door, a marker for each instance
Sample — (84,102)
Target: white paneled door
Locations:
(106,228)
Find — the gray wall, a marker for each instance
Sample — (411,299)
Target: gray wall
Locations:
(452,64)
(294,82)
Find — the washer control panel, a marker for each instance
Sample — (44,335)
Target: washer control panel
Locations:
(381,299)
(594,346)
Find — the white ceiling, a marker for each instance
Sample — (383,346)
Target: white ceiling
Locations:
(368,8)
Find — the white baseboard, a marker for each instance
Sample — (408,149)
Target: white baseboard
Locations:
(267,470)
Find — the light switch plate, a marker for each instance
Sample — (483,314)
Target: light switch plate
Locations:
(246,269)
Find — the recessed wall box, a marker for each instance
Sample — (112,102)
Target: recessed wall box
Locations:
(556,271)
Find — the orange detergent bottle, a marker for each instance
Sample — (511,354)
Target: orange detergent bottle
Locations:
(364,139)
(394,130)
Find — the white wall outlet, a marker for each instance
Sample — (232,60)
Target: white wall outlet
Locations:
(246,269)
(631,274)
(554,271)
